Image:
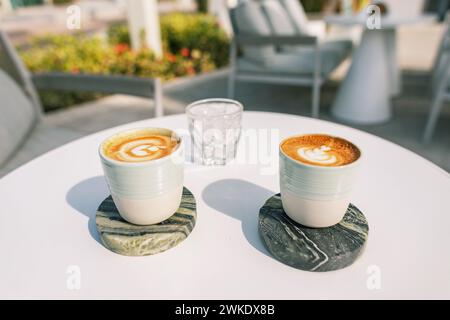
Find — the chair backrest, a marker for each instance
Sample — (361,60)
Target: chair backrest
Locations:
(17,117)
(11,63)
(268,17)
(278,18)
(281,22)
(248,18)
(297,15)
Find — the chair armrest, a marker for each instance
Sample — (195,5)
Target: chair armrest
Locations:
(135,86)
(258,40)
(142,87)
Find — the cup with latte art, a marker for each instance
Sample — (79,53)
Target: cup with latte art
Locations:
(144,172)
(317,176)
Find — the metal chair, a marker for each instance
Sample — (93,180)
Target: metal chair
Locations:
(275,50)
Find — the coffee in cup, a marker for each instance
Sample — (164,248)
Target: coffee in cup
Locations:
(321,150)
(144,172)
(140,146)
(317,175)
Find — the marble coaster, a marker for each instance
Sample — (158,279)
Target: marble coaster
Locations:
(311,249)
(129,239)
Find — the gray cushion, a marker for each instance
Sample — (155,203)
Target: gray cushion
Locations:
(42,139)
(297,15)
(279,20)
(272,17)
(18,117)
(301,61)
(250,19)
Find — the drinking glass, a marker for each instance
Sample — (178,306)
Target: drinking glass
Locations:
(215,128)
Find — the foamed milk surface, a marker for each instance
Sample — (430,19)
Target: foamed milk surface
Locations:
(321,150)
(317,155)
(140,147)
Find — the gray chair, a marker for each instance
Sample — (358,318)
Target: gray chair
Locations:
(24,133)
(276,48)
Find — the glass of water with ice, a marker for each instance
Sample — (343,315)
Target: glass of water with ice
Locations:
(215,128)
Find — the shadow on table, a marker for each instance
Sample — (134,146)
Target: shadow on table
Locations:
(85,197)
(241,200)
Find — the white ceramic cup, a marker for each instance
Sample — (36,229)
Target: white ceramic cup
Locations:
(146,192)
(315,196)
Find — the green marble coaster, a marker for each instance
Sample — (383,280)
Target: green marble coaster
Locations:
(129,239)
(311,249)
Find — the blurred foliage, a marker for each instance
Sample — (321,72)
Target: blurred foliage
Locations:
(118,33)
(178,31)
(202,6)
(313,5)
(58,2)
(192,44)
(196,32)
(71,54)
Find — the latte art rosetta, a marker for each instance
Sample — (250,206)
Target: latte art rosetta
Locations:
(145,149)
(317,155)
(141,148)
(320,150)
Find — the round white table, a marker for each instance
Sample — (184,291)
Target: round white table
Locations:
(50,248)
(374,76)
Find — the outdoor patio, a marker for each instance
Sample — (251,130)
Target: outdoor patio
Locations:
(417,49)
(322,161)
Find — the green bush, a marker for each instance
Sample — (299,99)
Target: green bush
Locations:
(202,6)
(313,5)
(205,51)
(195,32)
(71,54)
(180,31)
(118,33)
(61,2)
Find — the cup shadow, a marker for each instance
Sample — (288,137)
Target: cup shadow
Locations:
(241,200)
(85,197)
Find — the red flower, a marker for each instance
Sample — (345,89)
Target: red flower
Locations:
(121,48)
(190,70)
(185,52)
(171,58)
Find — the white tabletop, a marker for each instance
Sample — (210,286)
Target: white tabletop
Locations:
(47,225)
(387,21)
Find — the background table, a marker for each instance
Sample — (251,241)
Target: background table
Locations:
(47,225)
(374,75)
